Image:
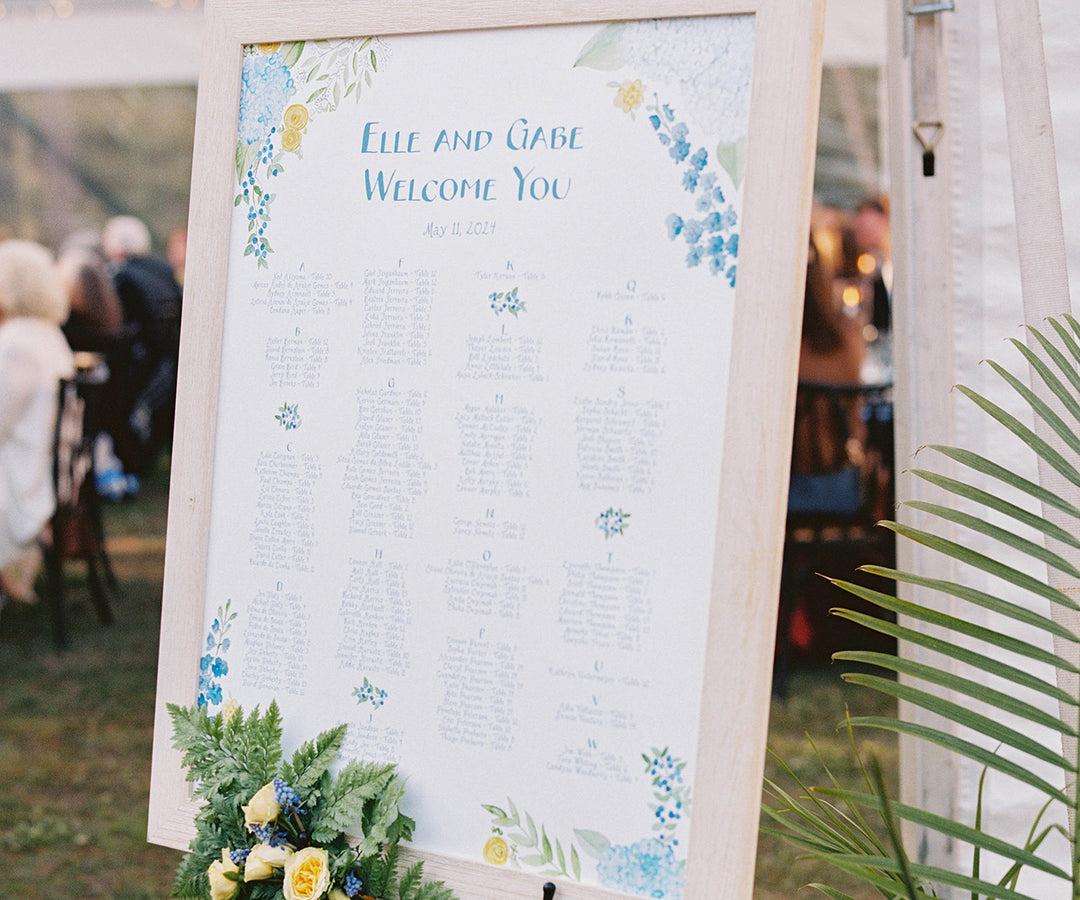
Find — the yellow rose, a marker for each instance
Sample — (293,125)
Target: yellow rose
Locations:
(307,874)
(268,49)
(263,808)
(222,886)
(338,894)
(290,140)
(263,859)
(495,851)
(296,116)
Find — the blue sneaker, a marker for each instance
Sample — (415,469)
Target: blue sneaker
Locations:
(111,485)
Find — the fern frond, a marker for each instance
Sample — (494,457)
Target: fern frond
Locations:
(312,759)
(342,802)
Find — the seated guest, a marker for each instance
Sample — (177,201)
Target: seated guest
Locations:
(96,319)
(833,346)
(141,402)
(34,356)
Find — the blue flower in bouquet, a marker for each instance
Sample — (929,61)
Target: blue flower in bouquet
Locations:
(290,837)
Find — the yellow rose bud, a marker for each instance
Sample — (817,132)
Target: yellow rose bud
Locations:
(338,894)
(263,808)
(263,859)
(307,874)
(268,48)
(222,887)
(495,851)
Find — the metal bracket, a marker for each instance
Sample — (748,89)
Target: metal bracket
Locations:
(928,142)
(927,9)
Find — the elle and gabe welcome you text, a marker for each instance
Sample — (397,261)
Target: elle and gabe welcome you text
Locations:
(524,182)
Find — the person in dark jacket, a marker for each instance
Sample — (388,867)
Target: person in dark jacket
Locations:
(139,415)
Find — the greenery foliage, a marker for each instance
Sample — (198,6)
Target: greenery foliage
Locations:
(859,831)
(232,758)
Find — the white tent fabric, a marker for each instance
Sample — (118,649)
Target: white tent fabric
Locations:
(129,45)
(965,227)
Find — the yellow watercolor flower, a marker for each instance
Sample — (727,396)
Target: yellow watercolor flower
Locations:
(496,852)
(296,116)
(290,140)
(629,95)
(230,709)
(269,49)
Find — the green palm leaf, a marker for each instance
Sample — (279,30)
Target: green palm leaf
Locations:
(952,680)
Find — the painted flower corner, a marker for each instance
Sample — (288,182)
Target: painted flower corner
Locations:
(711,60)
(284,87)
(651,866)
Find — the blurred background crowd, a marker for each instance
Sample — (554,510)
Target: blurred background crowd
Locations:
(104,310)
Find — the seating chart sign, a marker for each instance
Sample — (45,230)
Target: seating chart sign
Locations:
(476,354)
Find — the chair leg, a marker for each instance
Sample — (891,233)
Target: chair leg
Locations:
(99,538)
(55,567)
(97,591)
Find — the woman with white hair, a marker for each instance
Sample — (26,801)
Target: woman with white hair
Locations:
(34,356)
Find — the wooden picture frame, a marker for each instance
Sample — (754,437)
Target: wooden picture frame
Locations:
(735,693)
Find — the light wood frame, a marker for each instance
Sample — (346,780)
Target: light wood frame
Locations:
(757,443)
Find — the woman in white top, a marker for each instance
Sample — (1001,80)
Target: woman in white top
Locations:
(34,356)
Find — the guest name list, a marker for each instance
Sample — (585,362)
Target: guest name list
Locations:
(468,462)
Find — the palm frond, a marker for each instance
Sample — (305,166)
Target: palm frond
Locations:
(972,690)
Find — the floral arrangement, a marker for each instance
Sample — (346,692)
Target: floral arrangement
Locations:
(276,830)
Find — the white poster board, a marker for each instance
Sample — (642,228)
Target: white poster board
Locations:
(484,421)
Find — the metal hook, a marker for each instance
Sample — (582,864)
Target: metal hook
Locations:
(549,891)
(928,144)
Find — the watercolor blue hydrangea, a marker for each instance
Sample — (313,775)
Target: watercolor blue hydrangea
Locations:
(647,868)
(267,86)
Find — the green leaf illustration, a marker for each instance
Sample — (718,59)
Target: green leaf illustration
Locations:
(592,842)
(291,52)
(604,51)
(732,157)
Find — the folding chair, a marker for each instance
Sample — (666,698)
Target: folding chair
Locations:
(77,531)
(841,486)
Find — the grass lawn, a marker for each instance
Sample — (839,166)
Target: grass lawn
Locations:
(75,736)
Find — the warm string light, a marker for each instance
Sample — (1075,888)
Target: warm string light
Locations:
(851,296)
